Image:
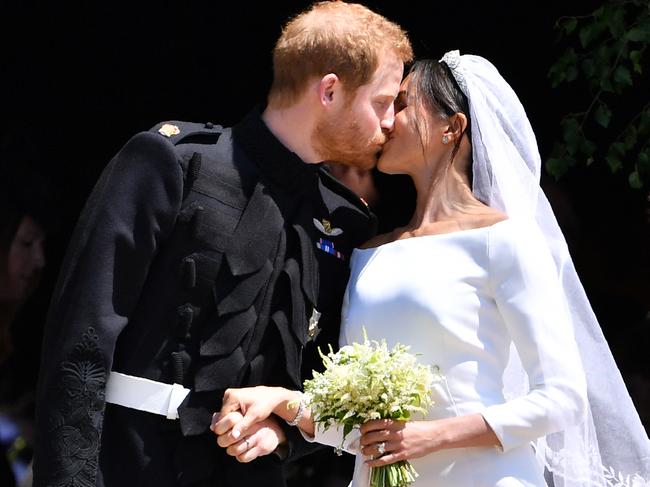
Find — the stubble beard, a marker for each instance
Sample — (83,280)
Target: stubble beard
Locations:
(341,140)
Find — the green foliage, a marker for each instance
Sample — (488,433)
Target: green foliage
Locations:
(604,55)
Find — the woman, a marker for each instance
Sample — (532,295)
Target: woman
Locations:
(480,284)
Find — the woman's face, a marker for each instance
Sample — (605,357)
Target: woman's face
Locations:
(404,151)
(25,261)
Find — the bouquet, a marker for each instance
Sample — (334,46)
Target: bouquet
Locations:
(366,381)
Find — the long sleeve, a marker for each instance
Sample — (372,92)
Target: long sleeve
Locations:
(528,295)
(131,210)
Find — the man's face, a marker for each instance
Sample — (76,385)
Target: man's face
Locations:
(356,130)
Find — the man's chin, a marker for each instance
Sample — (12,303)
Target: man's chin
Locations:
(364,163)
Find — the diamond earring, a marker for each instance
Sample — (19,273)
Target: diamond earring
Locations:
(445,139)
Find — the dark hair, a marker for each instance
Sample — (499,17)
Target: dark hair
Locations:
(24,189)
(435,89)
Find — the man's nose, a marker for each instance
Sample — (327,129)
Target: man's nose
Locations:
(389,120)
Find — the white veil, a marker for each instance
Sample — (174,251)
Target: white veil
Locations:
(611,447)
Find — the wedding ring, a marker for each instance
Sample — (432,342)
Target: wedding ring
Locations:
(381,448)
(248,445)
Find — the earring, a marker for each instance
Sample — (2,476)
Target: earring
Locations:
(445,139)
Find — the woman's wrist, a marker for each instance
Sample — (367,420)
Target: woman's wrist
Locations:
(469,430)
(442,434)
(287,404)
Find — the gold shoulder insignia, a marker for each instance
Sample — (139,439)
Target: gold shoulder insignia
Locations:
(168,130)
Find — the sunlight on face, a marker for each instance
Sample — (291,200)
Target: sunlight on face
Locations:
(355,134)
(408,147)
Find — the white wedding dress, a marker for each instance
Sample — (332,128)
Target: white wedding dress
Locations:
(460,300)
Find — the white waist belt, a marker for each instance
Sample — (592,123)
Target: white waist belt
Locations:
(145,394)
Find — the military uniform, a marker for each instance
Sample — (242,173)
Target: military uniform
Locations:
(199,259)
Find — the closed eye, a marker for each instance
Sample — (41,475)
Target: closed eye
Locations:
(400,102)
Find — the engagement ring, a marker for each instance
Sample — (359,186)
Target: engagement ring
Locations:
(381,448)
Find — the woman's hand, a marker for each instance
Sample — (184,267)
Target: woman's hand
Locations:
(402,440)
(261,438)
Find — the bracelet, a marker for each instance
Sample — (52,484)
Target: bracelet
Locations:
(299,413)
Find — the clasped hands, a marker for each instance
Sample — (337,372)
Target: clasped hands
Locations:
(248,427)
(245,426)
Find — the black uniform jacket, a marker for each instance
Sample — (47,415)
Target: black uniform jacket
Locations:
(198,259)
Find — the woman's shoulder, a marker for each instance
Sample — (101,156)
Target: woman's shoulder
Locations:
(490,219)
(517,242)
(506,229)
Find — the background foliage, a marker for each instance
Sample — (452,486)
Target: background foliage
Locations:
(603,63)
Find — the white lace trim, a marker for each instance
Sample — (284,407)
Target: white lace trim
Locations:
(573,470)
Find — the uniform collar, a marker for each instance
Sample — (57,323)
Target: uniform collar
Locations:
(276,163)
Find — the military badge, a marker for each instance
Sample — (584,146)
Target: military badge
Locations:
(325,226)
(328,247)
(313,329)
(168,130)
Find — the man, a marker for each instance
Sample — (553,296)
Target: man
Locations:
(203,260)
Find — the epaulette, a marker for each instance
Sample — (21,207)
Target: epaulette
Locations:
(183,132)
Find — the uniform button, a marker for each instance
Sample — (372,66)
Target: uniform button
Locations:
(209,125)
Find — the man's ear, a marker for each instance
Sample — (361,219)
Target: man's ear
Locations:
(328,87)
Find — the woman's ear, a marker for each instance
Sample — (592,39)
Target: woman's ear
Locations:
(456,127)
(327,88)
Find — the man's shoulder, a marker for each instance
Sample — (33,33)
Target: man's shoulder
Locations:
(178,131)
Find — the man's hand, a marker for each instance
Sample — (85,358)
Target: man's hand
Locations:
(254,403)
(260,439)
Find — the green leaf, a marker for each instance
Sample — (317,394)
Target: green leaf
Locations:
(635,180)
(617,149)
(347,427)
(606,85)
(556,167)
(569,25)
(557,75)
(636,34)
(614,163)
(622,75)
(571,131)
(588,67)
(571,73)
(644,122)
(616,22)
(603,115)
(558,72)
(630,138)
(635,57)
(643,161)
(586,35)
